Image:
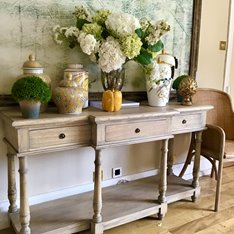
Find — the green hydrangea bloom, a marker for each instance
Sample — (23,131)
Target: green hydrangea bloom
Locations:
(131,45)
(101,16)
(94,29)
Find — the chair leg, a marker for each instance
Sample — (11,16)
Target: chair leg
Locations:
(218,186)
(213,168)
(214,171)
(189,155)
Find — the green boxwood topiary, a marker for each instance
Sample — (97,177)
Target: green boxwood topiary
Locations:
(177,81)
(31,88)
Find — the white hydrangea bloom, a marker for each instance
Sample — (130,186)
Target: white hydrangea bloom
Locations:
(122,24)
(92,56)
(87,43)
(110,55)
(56,28)
(72,31)
(56,38)
(56,35)
(156,30)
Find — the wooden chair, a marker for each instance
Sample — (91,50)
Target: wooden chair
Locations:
(218,138)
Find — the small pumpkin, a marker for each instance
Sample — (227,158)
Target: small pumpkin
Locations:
(111,100)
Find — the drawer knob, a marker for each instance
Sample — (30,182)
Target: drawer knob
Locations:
(137,130)
(184,121)
(62,136)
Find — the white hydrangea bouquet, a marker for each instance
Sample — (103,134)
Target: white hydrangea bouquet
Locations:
(111,39)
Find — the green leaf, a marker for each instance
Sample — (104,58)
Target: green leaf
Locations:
(156,47)
(105,33)
(81,22)
(144,57)
(139,32)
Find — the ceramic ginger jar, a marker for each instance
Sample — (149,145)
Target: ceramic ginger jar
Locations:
(68,97)
(79,75)
(32,67)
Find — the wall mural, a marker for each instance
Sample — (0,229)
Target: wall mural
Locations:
(26,28)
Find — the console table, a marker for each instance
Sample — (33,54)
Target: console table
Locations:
(102,208)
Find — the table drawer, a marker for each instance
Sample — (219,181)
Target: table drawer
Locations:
(135,130)
(187,122)
(54,137)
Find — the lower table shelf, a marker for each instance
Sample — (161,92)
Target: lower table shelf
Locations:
(122,203)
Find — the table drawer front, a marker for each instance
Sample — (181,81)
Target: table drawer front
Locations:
(55,137)
(187,122)
(130,131)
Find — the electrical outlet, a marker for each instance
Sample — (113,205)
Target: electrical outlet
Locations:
(116,172)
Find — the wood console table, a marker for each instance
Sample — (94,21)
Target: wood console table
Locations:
(101,209)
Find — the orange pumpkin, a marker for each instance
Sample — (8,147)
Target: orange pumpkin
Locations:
(111,100)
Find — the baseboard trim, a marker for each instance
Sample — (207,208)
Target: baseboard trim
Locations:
(4,223)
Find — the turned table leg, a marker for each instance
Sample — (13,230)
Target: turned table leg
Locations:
(170,160)
(196,167)
(163,175)
(96,226)
(24,206)
(12,193)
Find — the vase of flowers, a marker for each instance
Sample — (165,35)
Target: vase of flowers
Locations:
(158,84)
(111,39)
(159,76)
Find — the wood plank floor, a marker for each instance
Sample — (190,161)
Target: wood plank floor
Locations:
(185,217)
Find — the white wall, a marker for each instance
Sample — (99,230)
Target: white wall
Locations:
(232,74)
(213,29)
(230,55)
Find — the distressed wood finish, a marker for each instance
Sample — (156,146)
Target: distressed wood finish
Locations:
(12,193)
(24,206)
(101,130)
(170,160)
(196,217)
(196,168)
(163,172)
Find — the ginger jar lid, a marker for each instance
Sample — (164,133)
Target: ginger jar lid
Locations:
(166,58)
(68,81)
(31,63)
(74,67)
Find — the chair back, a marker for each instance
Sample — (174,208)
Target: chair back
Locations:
(222,114)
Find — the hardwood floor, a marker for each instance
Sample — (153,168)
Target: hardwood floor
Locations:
(185,217)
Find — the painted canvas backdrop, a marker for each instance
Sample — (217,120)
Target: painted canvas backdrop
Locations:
(25,28)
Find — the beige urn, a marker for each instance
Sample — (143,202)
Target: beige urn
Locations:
(68,97)
(32,67)
(79,75)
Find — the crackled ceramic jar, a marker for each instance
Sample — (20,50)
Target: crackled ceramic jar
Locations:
(32,67)
(80,76)
(68,97)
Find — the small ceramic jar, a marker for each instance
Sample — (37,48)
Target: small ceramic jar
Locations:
(32,67)
(68,97)
(80,76)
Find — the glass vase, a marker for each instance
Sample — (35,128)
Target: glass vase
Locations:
(113,80)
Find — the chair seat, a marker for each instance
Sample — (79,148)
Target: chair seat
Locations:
(229,149)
